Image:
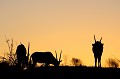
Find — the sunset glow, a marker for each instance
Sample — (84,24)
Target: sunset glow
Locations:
(67,25)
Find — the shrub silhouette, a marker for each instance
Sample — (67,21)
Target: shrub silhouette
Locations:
(112,63)
(65,59)
(76,62)
(9,57)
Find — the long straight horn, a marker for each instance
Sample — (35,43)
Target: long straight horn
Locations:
(60,56)
(56,54)
(28,50)
(100,39)
(94,38)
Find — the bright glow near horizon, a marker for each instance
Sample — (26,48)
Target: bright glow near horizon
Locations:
(67,25)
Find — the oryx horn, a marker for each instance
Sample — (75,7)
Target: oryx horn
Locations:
(28,48)
(60,55)
(56,54)
(94,38)
(100,39)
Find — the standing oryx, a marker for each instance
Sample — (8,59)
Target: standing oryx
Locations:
(21,55)
(45,57)
(97,50)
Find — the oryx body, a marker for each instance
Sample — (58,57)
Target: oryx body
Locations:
(97,50)
(44,57)
(21,55)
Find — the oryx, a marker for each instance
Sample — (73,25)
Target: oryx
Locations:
(21,55)
(45,57)
(97,49)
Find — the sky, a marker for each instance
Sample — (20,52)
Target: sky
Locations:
(67,25)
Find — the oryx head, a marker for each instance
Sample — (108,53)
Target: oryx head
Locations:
(58,60)
(97,42)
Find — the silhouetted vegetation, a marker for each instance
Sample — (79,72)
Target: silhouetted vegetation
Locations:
(12,62)
(112,63)
(65,59)
(76,62)
(9,57)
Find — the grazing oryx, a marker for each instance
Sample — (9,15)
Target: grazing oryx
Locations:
(97,50)
(21,55)
(45,57)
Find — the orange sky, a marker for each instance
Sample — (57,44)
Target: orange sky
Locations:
(67,25)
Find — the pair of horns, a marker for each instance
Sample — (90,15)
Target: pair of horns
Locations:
(60,55)
(95,38)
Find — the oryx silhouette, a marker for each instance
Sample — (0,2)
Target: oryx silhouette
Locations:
(21,55)
(45,57)
(97,49)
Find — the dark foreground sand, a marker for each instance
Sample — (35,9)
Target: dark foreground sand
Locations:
(62,72)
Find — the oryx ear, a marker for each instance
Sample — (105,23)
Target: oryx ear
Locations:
(100,39)
(94,38)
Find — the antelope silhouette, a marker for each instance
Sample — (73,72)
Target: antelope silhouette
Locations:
(97,49)
(45,57)
(21,55)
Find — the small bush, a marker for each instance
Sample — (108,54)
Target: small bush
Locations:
(112,63)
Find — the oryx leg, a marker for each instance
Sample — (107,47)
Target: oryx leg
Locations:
(19,63)
(95,61)
(99,61)
(34,63)
(46,64)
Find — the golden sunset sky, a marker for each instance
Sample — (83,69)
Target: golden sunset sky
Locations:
(67,25)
